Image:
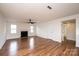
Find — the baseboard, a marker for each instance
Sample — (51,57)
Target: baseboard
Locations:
(12,38)
(2,44)
(77,46)
(49,38)
(71,40)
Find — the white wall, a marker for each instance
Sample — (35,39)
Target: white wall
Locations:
(52,29)
(2,31)
(20,27)
(77,32)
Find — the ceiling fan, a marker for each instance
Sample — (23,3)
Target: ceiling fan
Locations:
(30,22)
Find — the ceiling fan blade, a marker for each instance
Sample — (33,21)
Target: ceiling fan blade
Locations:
(33,22)
(30,22)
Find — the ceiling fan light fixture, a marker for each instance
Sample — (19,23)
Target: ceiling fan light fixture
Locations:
(31,22)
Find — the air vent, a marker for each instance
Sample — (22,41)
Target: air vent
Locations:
(49,7)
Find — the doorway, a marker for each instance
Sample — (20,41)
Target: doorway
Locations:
(69,31)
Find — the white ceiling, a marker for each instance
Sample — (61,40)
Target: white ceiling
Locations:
(37,11)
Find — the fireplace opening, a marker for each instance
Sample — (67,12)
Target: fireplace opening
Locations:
(24,33)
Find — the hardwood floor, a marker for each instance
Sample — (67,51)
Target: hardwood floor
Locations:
(36,46)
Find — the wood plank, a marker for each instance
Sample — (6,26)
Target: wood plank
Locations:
(38,47)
